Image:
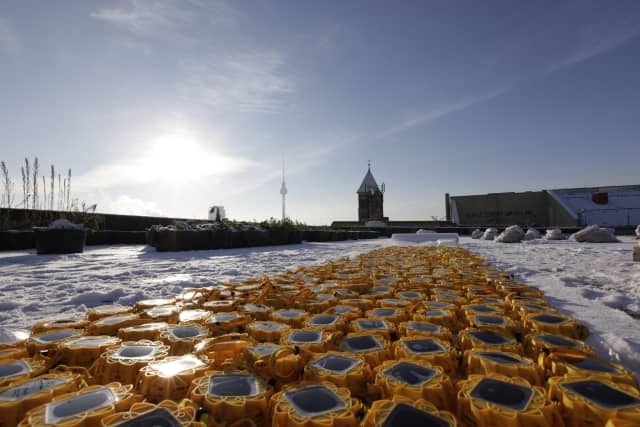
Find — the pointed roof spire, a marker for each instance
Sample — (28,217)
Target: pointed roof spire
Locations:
(369,184)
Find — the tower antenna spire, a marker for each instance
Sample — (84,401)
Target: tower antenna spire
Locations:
(283,192)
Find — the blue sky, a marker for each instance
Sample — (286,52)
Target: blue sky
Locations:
(167,107)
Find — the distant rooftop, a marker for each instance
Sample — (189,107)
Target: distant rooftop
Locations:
(369,184)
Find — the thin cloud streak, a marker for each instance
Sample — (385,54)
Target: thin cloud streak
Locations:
(9,43)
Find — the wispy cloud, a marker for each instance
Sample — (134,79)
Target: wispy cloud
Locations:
(128,205)
(9,43)
(246,82)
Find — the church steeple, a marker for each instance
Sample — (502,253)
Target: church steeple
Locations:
(370,199)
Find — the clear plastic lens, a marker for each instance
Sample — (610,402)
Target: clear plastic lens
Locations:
(489,337)
(602,395)
(135,352)
(404,415)
(92,342)
(14,369)
(335,363)
(557,340)
(372,324)
(549,318)
(186,332)
(263,350)
(61,410)
(424,346)
(595,365)
(323,320)
(305,337)
(233,385)
(507,395)
(177,366)
(159,417)
(361,343)
(410,373)
(314,400)
(498,357)
(55,336)
(30,388)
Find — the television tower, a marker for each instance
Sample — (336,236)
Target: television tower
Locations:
(283,191)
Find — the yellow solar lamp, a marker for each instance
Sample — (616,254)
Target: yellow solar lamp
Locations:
(318,303)
(21,396)
(471,338)
(110,325)
(403,412)
(327,322)
(227,322)
(224,350)
(481,362)
(145,331)
(84,351)
(194,315)
(432,350)
(415,380)
(394,303)
(361,303)
(221,306)
(150,303)
(501,324)
(165,414)
(101,311)
(16,370)
(442,317)
(377,292)
(170,378)
(257,311)
(48,341)
(619,422)
(233,397)
(481,309)
(575,364)
(347,312)
(451,299)
(281,363)
(13,338)
(411,295)
(123,363)
(543,344)
(314,404)
(311,340)
(421,328)
(395,315)
(291,316)
(12,353)
(162,313)
(182,338)
(592,401)
(266,331)
(514,300)
(375,326)
(52,325)
(341,369)
(522,310)
(82,408)
(374,348)
(496,400)
(555,323)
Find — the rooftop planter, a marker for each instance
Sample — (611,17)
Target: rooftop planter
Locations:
(61,237)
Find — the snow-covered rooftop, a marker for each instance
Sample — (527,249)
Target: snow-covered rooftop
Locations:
(622,208)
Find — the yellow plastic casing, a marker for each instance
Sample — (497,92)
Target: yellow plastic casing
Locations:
(284,413)
(101,311)
(437,388)
(283,364)
(52,325)
(323,321)
(580,411)
(220,306)
(170,378)
(381,409)
(442,317)
(144,331)
(114,366)
(539,346)
(84,351)
(12,353)
(362,304)
(196,315)
(426,349)
(224,350)
(574,364)
(383,327)
(109,325)
(21,396)
(467,340)
(162,313)
(268,331)
(49,341)
(477,412)
(146,304)
(181,414)
(183,345)
(227,323)
(502,324)
(568,326)
(356,378)
(414,328)
(396,315)
(19,369)
(327,340)
(483,362)
(123,398)
(287,316)
(227,410)
(348,312)
(256,311)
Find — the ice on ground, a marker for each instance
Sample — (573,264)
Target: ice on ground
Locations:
(512,234)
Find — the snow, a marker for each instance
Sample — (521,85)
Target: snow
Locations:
(599,284)
(64,224)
